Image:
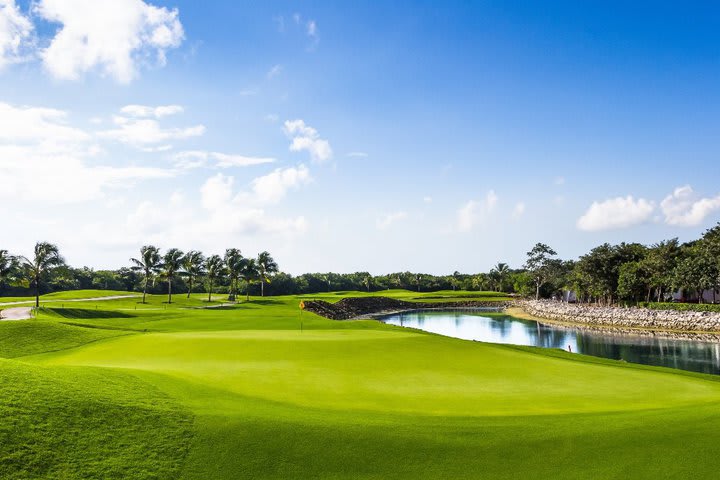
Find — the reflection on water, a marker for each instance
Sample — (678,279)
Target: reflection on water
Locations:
(694,355)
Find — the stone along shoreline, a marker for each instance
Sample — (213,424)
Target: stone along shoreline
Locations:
(620,317)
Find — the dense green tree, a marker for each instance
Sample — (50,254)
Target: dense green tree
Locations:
(597,273)
(659,265)
(8,267)
(149,264)
(46,258)
(633,281)
(711,246)
(266,267)
(172,264)
(696,271)
(107,280)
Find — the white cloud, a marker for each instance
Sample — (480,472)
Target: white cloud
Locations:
(357,155)
(428,199)
(473,212)
(144,111)
(559,181)
(304,137)
(198,158)
(274,71)
(685,209)
(614,213)
(272,117)
(15,32)
(113,37)
(216,192)
(223,211)
(519,210)
(385,221)
(142,132)
(36,124)
(227,161)
(44,159)
(271,188)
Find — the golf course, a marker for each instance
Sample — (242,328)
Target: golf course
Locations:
(260,389)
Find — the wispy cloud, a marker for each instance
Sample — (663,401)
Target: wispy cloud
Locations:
(15,33)
(199,158)
(274,71)
(518,210)
(474,211)
(385,221)
(45,159)
(136,129)
(305,137)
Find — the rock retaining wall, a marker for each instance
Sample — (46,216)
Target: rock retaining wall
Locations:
(354,307)
(623,317)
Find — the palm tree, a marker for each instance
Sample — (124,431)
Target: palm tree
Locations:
(193,266)
(249,272)
(149,263)
(234,264)
(480,281)
(46,258)
(214,267)
(266,267)
(172,263)
(499,273)
(367,281)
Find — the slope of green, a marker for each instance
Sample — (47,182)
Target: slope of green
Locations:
(276,393)
(68,295)
(87,423)
(28,337)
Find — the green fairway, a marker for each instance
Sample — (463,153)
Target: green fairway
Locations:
(259,390)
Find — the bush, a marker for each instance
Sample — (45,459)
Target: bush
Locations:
(683,307)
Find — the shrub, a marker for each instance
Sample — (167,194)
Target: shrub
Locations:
(683,307)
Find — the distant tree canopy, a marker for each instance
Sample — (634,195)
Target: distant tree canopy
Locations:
(627,272)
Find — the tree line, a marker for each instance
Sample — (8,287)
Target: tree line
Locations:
(607,274)
(47,271)
(632,272)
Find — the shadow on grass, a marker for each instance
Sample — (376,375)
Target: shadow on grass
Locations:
(264,301)
(86,313)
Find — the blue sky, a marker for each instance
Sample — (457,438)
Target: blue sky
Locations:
(345,136)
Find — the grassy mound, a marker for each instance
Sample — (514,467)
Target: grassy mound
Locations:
(30,337)
(87,423)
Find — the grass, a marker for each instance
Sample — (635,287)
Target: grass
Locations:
(243,392)
(68,295)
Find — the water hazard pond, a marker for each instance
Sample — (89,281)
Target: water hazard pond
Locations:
(686,354)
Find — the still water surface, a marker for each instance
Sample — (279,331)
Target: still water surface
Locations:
(693,355)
